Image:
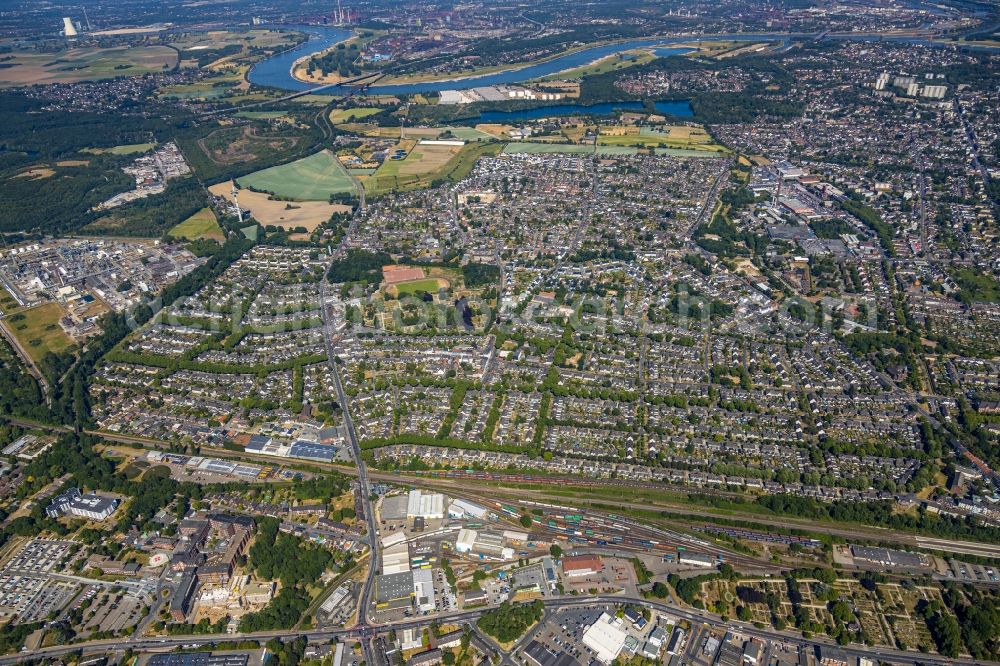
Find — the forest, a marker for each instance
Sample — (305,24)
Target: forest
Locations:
(31,137)
(508,622)
(359,266)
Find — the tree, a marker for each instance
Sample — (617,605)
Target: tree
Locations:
(555,551)
(526,520)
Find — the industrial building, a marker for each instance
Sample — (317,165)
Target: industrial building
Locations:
(300,448)
(428,507)
(696,559)
(606,638)
(581,565)
(460,508)
(423,589)
(392,589)
(466,541)
(483,544)
(396,559)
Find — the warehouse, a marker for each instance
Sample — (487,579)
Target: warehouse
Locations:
(466,541)
(396,559)
(460,508)
(423,589)
(606,638)
(393,589)
(581,565)
(312,451)
(696,559)
(428,507)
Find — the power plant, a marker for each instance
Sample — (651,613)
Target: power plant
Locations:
(342,16)
(69,29)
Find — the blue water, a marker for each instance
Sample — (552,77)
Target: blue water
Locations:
(680,108)
(276,71)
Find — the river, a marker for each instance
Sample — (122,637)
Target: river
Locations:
(276,71)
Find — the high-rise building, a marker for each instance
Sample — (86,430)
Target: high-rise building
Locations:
(69,30)
(934,92)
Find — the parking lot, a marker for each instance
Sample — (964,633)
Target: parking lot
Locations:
(563,631)
(39,556)
(32,598)
(112,611)
(972,572)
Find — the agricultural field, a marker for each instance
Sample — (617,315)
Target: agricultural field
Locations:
(516,147)
(467,133)
(425,164)
(495,130)
(214,39)
(313,178)
(36,173)
(674,136)
(284,214)
(611,63)
(36,328)
(84,64)
(200,225)
(128,149)
(340,116)
(262,115)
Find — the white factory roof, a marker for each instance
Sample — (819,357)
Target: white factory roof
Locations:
(605,637)
(396,559)
(423,589)
(466,540)
(425,506)
(393,539)
(460,508)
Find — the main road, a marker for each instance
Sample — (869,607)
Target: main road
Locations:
(364,490)
(366,633)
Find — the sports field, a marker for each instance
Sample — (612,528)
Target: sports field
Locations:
(200,225)
(429,285)
(312,178)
